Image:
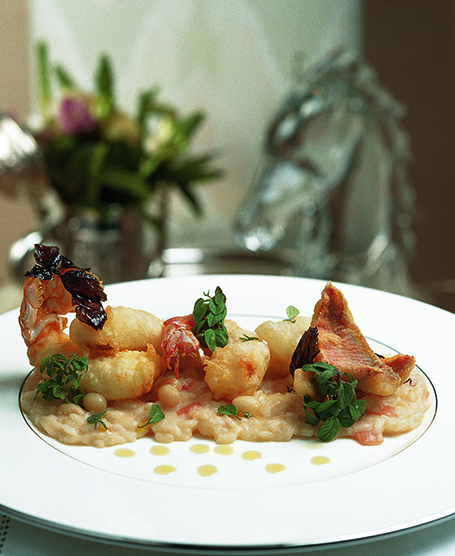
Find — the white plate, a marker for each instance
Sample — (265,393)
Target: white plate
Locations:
(362,492)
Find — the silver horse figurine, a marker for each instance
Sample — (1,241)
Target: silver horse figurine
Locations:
(333,195)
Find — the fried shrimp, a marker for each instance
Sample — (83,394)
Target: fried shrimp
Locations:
(120,343)
(282,338)
(53,288)
(238,368)
(125,328)
(124,375)
(123,358)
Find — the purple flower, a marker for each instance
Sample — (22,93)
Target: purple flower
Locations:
(74,116)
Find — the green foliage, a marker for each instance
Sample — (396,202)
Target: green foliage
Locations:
(63,379)
(113,157)
(209,313)
(291,312)
(232,411)
(96,418)
(155,416)
(340,407)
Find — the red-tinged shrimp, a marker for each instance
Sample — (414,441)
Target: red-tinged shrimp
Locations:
(122,360)
(178,340)
(369,438)
(53,288)
(42,319)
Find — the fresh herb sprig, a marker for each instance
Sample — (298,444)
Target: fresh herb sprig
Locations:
(246,338)
(291,312)
(64,378)
(96,418)
(340,408)
(155,416)
(209,313)
(232,411)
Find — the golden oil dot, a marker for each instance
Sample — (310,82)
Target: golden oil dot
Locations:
(159,450)
(124,453)
(251,455)
(224,450)
(313,444)
(319,460)
(164,469)
(274,468)
(207,470)
(199,448)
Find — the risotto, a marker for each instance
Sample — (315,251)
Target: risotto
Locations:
(275,413)
(118,374)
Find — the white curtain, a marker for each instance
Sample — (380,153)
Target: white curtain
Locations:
(230,58)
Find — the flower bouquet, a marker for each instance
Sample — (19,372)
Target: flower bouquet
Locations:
(96,155)
(109,172)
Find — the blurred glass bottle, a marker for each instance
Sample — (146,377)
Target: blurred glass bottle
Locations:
(333,196)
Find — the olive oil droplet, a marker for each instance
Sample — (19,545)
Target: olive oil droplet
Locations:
(207,470)
(224,450)
(274,468)
(250,455)
(313,444)
(199,448)
(124,453)
(319,460)
(164,469)
(159,450)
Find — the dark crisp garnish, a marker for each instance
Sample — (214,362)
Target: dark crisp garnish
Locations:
(306,350)
(86,290)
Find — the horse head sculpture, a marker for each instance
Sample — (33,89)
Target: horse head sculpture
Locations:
(333,194)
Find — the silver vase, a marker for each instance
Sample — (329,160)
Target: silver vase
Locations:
(121,246)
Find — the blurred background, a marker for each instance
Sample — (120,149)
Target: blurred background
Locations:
(240,84)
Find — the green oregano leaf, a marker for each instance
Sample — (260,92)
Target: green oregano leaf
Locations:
(209,313)
(155,416)
(232,411)
(339,407)
(96,418)
(63,378)
(329,429)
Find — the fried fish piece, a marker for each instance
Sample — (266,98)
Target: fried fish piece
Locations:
(342,344)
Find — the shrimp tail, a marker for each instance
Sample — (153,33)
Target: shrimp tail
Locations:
(86,290)
(178,339)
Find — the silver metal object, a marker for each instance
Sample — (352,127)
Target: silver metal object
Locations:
(333,194)
(22,173)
